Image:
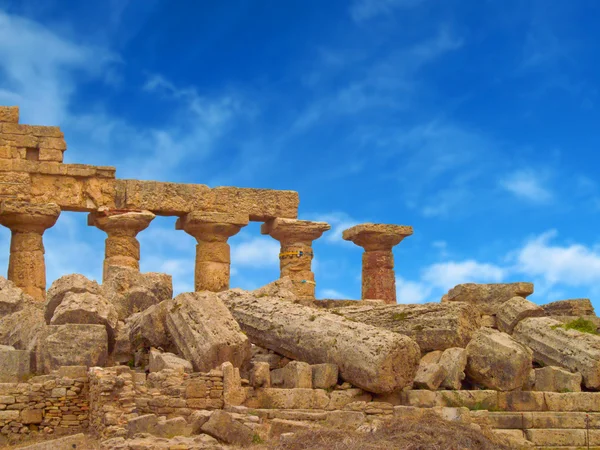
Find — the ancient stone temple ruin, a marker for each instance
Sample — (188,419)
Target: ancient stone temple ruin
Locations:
(123,364)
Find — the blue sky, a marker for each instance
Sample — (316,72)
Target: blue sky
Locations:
(474,121)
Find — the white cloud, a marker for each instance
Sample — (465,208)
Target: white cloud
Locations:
(339,222)
(362,10)
(257,252)
(412,291)
(448,274)
(527,185)
(332,294)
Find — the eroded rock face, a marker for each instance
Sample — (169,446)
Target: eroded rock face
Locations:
(511,312)
(130,291)
(454,360)
(11,297)
(159,361)
(22,328)
(496,361)
(434,326)
(487,297)
(283,289)
(557,379)
(73,283)
(374,359)
(72,345)
(204,331)
(149,328)
(572,307)
(553,345)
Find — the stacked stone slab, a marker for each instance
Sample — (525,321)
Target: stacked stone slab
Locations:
(488,297)
(511,312)
(374,359)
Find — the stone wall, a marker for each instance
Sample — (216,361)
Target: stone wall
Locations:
(49,404)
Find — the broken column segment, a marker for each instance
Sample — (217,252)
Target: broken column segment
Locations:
(378,278)
(122,247)
(296,255)
(213,255)
(488,297)
(371,358)
(27,223)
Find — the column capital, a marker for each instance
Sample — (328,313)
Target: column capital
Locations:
(25,217)
(377,236)
(120,222)
(211,226)
(304,231)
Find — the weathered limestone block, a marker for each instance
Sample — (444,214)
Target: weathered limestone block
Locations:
(149,327)
(324,376)
(9,114)
(260,375)
(86,308)
(488,297)
(511,312)
(22,328)
(497,361)
(573,307)
(222,426)
(435,326)
(15,365)
(378,277)
(273,398)
(11,297)
(159,361)
(345,420)
(374,359)
(552,345)
(130,291)
(72,345)
(142,424)
(429,376)
(297,374)
(73,283)
(204,331)
(31,416)
(432,357)
(454,360)
(27,223)
(122,351)
(281,427)
(213,254)
(282,288)
(555,379)
(296,255)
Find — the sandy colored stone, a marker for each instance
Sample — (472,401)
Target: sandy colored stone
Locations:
(73,283)
(374,359)
(434,326)
(297,374)
(9,114)
(324,376)
(86,308)
(260,375)
(556,379)
(204,331)
(222,426)
(22,328)
(15,365)
(282,288)
(454,360)
(572,307)
(429,376)
(488,297)
(553,345)
(149,327)
(296,253)
(511,312)
(72,345)
(159,361)
(122,352)
(11,297)
(378,276)
(142,424)
(432,357)
(27,222)
(31,416)
(130,291)
(497,361)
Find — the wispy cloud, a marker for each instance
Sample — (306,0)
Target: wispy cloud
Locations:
(257,252)
(527,185)
(332,294)
(339,222)
(362,10)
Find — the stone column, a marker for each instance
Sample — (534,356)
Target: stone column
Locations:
(213,258)
(27,223)
(121,246)
(295,259)
(378,277)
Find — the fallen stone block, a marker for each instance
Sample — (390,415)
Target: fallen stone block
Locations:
(204,331)
(74,441)
(22,328)
(122,352)
(297,374)
(497,361)
(149,328)
(454,361)
(553,345)
(555,379)
(159,361)
(142,424)
(11,297)
(432,357)
(73,283)
(72,345)
(283,426)
(324,376)
(130,291)
(368,357)
(282,288)
(488,297)
(176,426)
(511,312)
(573,307)
(277,377)
(221,425)
(260,375)
(15,365)
(429,376)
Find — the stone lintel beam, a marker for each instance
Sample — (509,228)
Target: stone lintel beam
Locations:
(295,259)
(27,223)
(121,246)
(213,255)
(378,277)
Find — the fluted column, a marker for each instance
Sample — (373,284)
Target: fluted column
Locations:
(27,223)
(378,277)
(121,246)
(213,255)
(295,259)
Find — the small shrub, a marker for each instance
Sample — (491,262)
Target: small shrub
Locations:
(256,439)
(399,316)
(581,324)
(312,318)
